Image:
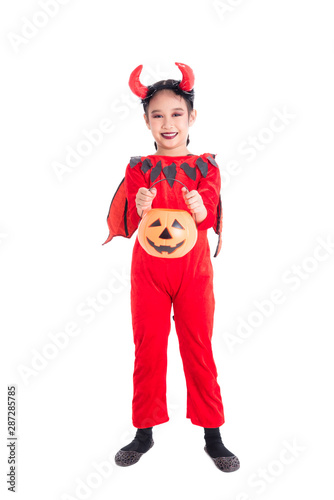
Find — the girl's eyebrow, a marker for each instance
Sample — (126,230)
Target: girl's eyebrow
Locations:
(174,109)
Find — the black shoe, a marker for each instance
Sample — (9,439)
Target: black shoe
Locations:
(225,464)
(223,458)
(130,454)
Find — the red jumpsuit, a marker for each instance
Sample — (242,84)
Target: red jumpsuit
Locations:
(184,282)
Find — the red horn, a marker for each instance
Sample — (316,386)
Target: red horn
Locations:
(134,83)
(188,77)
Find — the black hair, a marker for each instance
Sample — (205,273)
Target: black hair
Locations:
(173,85)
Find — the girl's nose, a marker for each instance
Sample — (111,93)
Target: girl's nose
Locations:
(167,124)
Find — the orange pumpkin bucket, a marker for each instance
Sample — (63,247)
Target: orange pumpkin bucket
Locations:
(167,233)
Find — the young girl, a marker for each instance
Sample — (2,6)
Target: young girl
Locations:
(185,282)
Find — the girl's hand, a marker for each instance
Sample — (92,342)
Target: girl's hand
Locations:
(144,198)
(195,204)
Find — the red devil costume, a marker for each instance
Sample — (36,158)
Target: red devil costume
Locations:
(158,283)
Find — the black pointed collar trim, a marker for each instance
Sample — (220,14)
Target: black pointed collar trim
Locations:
(212,160)
(147,164)
(170,173)
(203,166)
(134,160)
(188,170)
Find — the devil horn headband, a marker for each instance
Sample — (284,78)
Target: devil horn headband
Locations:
(140,90)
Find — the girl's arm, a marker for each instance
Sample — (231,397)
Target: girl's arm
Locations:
(204,201)
(134,180)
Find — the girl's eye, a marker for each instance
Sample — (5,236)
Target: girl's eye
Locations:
(174,114)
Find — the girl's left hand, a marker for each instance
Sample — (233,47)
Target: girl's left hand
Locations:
(193,200)
(195,203)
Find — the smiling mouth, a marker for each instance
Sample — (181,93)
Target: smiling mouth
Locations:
(169,135)
(165,248)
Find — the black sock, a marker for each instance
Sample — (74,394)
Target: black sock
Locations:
(141,442)
(214,443)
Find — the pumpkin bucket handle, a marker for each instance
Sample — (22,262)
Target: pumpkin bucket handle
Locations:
(167,179)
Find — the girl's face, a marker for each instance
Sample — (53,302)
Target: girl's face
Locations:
(169,122)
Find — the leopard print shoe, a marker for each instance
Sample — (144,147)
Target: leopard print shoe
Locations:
(225,464)
(126,458)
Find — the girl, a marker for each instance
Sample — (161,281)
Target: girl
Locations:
(185,282)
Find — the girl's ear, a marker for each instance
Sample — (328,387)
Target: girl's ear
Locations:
(192,117)
(147,122)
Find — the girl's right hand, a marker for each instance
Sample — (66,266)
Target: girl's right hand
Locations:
(144,200)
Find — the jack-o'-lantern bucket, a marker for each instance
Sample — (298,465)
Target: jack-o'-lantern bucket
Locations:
(167,233)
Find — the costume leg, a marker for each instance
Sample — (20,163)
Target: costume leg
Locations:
(194,305)
(151,321)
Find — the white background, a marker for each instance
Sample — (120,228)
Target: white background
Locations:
(252,59)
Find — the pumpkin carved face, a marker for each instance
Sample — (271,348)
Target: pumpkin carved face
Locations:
(167,233)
